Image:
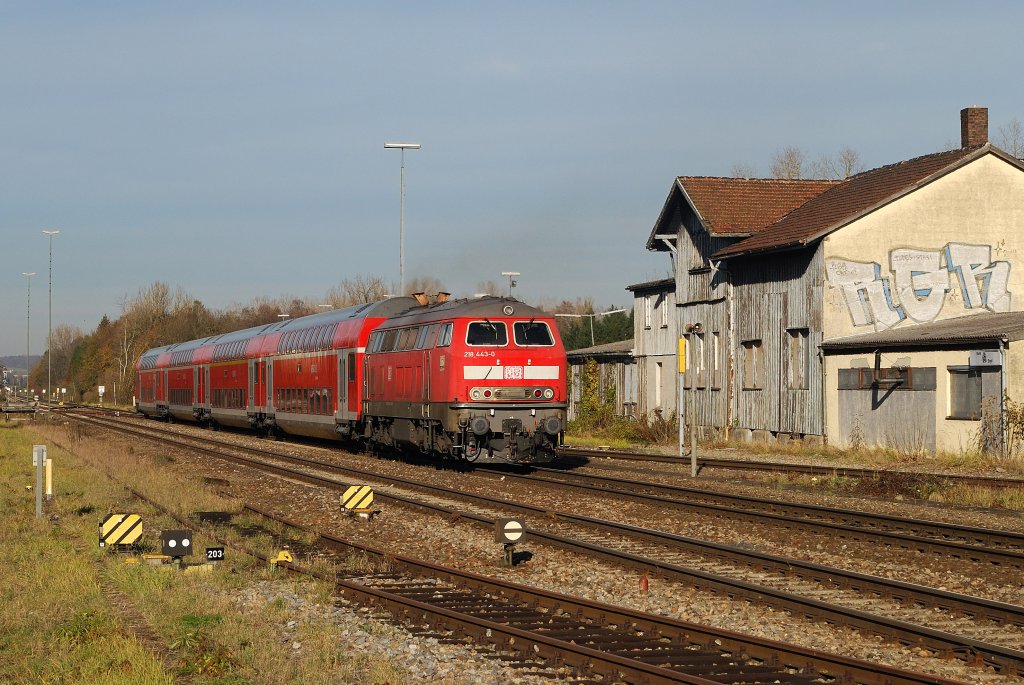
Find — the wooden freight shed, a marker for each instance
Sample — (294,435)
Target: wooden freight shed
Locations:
(655,334)
(616,376)
(771,269)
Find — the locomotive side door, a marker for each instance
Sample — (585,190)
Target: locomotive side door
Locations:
(425,383)
(206,375)
(197,384)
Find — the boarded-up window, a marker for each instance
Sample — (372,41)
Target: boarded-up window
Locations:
(647,311)
(798,358)
(753,365)
(663,306)
(965,394)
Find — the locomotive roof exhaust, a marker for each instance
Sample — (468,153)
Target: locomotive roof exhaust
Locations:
(421,299)
(442,297)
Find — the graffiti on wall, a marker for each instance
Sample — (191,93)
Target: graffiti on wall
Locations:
(919,283)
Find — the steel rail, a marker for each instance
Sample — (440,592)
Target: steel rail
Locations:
(883,527)
(766,650)
(778,660)
(998,656)
(807,469)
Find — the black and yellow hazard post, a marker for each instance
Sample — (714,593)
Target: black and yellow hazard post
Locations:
(120,531)
(509,532)
(357,500)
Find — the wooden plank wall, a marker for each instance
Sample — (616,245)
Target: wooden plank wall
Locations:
(775,293)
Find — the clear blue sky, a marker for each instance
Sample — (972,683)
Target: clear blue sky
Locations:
(235,149)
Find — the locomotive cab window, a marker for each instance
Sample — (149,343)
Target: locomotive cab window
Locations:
(486,333)
(445,338)
(530,333)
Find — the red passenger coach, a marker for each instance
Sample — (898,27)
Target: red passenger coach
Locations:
(480,379)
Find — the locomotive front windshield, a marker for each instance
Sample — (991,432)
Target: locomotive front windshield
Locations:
(486,333)
(532,333)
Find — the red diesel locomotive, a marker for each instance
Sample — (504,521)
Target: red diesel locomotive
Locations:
(480,379)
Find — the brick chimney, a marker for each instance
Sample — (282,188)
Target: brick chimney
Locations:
(973,126)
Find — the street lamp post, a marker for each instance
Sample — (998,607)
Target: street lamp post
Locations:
(591,317)
(401,221)
(49,326)
(511,282)
(28,321)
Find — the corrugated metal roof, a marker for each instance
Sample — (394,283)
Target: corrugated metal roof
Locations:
(661,284)
(616,349)
(962,330)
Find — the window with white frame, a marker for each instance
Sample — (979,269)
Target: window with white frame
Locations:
(663,306)
(647,311)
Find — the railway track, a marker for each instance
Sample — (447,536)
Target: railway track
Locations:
(785,467)
(551,631)
(947,623)
(964,543)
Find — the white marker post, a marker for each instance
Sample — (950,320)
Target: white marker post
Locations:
(39,461)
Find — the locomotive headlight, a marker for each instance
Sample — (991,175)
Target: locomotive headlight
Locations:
(548,393)
(475,393)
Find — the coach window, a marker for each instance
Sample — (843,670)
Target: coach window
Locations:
(532,333)
(486,333)
(445,338)
(373,342)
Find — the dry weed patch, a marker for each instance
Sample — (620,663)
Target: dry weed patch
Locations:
(57,625)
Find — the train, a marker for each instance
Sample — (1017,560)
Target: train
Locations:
(481,379)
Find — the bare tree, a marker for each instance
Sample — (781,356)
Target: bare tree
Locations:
(357,291)
(424,284)
(788,163)
(1011,138)
(743,170)
(846,163)
(488,288)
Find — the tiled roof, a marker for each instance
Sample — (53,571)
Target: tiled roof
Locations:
(741,206)
(973,328)
(851,199)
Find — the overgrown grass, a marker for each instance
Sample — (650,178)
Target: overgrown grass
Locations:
(57,626)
